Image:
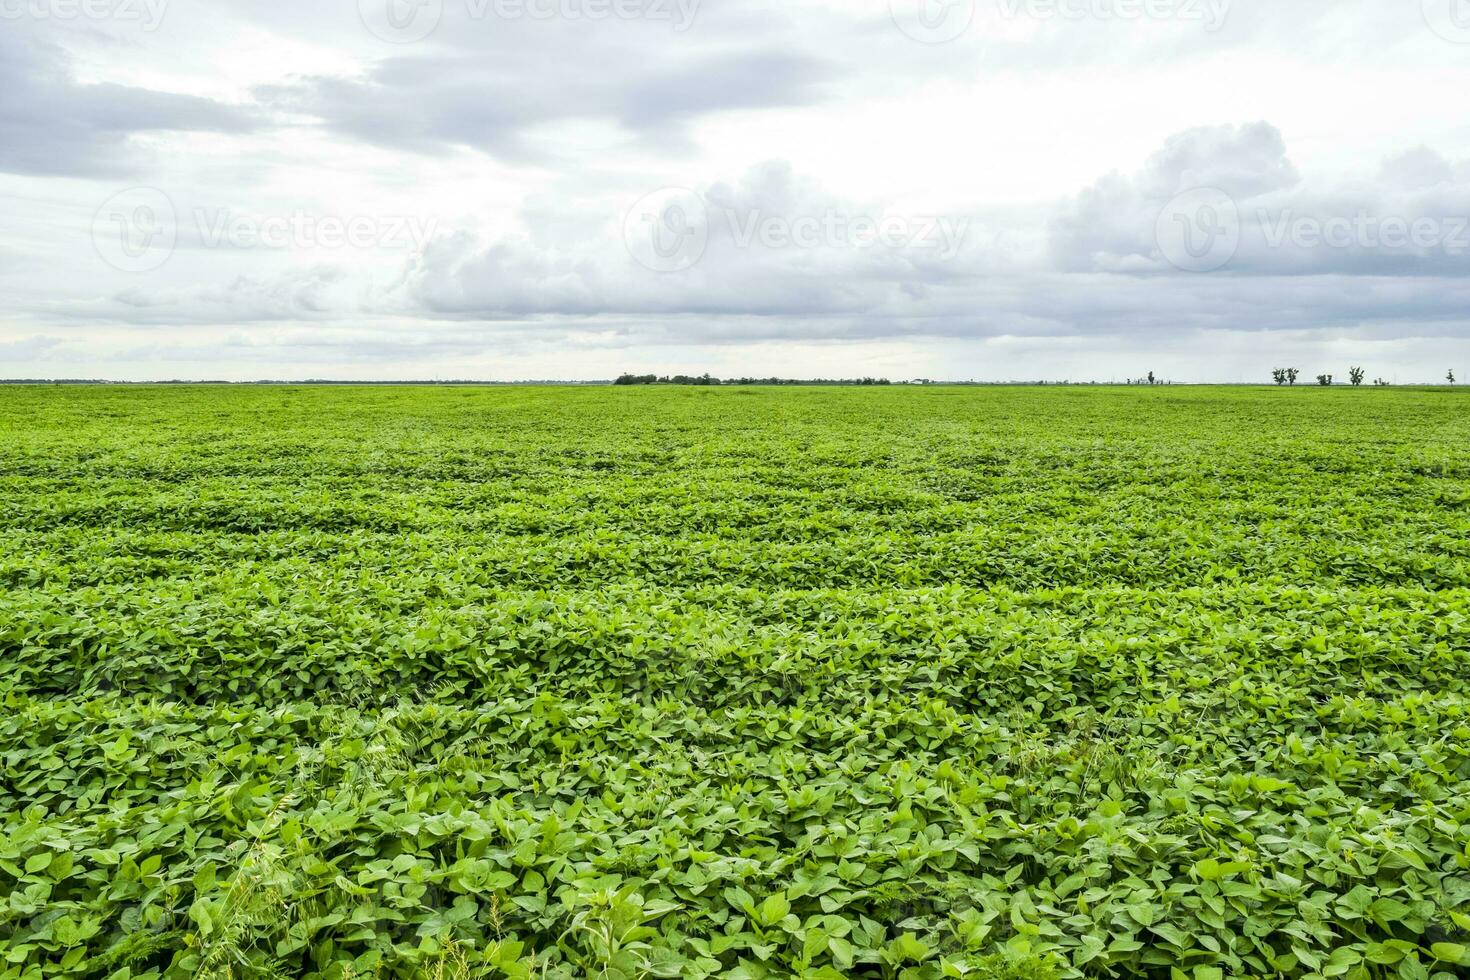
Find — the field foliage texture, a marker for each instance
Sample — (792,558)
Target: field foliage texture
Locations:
(742,683)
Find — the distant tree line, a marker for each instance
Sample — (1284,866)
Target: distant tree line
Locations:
(705,379)
(1150,380)
(677,379)
(1356,375)
(1285,375)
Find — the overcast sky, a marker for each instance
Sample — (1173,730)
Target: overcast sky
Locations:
(504,189)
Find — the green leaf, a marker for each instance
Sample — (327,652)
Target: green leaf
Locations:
(774,909)
(1343,959)
(842,952)
(1451,953)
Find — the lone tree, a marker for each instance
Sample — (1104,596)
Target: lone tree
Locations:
(1279,375)
(1291,375)
(1325,380)
(1357,375)
(1152,381)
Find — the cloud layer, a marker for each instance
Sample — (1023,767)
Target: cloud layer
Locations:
(52,124)
(804,185)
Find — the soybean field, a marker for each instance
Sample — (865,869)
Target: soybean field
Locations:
(735,682)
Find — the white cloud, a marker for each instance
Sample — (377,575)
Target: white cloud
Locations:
(50,123)
(990,206)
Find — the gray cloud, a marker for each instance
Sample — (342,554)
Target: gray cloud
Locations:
(822,262)
(535,257)
(1111,226)
(30,348)
(299,293)
(530,76)
(1089,267)
(50,124)
(1409,218)
(1100,269)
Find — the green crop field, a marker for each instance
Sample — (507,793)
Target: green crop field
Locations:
(734,682)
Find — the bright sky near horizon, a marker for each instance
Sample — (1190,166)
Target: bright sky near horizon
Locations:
(503,189)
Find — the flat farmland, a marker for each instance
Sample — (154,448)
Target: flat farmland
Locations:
(734,682)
